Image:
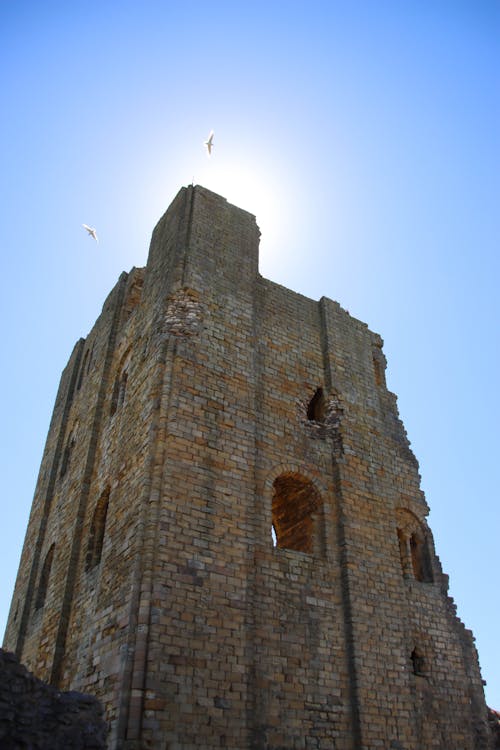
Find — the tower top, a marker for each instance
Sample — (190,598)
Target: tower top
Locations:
(202,237)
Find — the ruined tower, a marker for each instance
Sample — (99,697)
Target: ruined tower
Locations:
(228,541)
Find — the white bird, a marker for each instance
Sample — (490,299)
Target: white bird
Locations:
(91,231)
(210,142)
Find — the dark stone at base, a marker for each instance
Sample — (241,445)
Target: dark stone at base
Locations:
(37,716)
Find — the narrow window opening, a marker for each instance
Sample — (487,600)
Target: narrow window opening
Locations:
(378,371)
(119,391)
(66,457)
(96,537)
(420,558)
(403,552)
(44,579)
(317,407)
(418,663)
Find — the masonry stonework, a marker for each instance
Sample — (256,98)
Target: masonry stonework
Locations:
(228,542)
(36,716)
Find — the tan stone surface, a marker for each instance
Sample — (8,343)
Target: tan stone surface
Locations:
(189,407)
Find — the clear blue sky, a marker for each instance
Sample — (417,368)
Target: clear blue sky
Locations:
(365,138)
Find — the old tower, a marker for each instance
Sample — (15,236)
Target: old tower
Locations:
(228,543)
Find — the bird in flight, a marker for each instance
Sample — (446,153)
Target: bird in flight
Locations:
(91,232)
(210,142)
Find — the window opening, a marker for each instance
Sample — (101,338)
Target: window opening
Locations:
(66,457)
(414,550)
(317,407)
(44,579)
(119,390)
(96,537)
(420,558)
(296,508)
(418,663)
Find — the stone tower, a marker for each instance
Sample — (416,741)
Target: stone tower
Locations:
(228,543)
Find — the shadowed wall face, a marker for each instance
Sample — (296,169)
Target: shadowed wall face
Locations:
(33,714)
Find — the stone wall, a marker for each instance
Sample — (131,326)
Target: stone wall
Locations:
(35,715)
(494,722)
(207,409)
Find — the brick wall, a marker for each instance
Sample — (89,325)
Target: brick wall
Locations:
(207,409)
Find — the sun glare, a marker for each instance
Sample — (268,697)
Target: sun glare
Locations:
(255,191)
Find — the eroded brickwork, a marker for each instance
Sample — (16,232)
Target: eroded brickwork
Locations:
(238,554)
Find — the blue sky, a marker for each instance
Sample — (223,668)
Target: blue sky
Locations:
(365,138)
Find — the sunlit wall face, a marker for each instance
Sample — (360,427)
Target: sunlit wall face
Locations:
(364,138)
(254,186)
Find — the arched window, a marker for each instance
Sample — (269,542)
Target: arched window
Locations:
(317,407)
(413,547)
(44,579)
(96,537)
(420,559)
(296,514)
